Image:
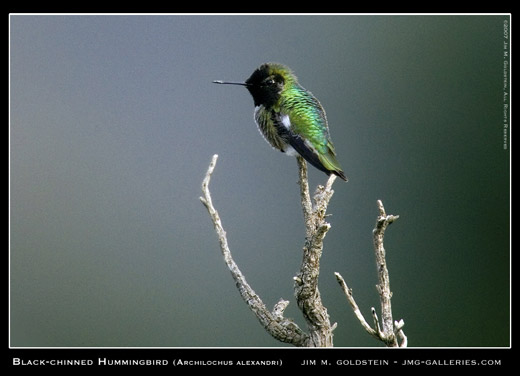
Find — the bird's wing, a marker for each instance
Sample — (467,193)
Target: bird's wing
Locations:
(323,159)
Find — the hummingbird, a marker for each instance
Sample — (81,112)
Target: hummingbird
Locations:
(290,118)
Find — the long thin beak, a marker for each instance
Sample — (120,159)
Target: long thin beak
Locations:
(229,83)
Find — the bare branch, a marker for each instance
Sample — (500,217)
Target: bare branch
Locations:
(390,331)
(304,192)
(306,282)
(355,308)
(284,330)
(384,279)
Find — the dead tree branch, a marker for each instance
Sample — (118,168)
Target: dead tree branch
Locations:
(306,282)
(320,330)
(283,329)
(391,331)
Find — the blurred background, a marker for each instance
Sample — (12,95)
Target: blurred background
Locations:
(114,120)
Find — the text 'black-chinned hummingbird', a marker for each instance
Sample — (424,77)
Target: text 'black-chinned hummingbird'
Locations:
(290,118)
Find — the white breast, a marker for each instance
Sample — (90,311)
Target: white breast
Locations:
(286,121)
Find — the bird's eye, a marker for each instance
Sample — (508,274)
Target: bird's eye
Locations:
(269,82)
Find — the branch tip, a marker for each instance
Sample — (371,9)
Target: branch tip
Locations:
(399,324)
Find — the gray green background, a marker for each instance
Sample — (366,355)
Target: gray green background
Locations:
(113,122)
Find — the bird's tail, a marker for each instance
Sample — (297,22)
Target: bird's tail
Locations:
(340,173)
(331,165)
